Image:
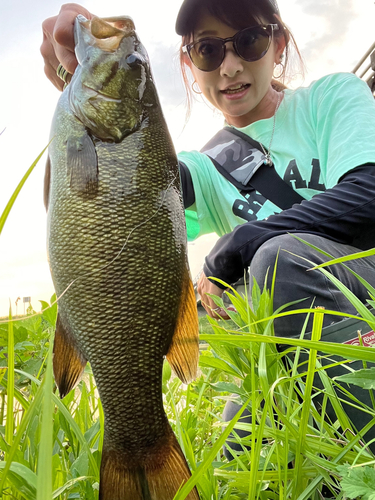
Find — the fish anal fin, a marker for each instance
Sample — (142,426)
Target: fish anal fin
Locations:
(183,352)
(158,475)
(68,361)
(82,162)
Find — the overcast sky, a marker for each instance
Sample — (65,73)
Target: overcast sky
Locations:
(332,36)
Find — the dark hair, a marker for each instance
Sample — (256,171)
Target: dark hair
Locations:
(239,14)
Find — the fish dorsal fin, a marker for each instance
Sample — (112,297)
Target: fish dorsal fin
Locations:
(183,352)
(68,361)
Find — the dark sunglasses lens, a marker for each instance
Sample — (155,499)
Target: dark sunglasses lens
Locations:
(252,43)
(207,55)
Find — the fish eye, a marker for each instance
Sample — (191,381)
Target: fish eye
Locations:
(134,60)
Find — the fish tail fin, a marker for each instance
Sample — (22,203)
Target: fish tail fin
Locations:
(157,476)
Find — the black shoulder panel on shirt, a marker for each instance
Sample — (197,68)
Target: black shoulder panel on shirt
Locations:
(344,213)
(187,185)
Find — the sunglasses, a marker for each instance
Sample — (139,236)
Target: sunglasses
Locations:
(251,44)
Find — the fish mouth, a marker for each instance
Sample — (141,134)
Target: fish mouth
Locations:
(234,89)
(108,32)
(106,27)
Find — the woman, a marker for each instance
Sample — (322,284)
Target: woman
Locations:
(321,140)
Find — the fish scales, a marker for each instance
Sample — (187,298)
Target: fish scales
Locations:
(117,253)
(108,290)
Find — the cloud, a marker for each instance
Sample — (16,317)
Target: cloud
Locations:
(332,20)
(165,67)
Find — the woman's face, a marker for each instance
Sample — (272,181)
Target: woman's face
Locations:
(241,90)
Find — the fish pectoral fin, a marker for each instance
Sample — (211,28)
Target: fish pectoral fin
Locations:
(82,162)
(68,361)
(183,352)
(47,180)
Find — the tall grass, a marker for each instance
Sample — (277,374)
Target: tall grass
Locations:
(52,449)
(291,450)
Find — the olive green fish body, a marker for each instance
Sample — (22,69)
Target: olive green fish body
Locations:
(117,252)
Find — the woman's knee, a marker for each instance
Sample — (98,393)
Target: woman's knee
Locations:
(280,251)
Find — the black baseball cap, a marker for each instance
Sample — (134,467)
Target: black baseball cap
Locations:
(189,6)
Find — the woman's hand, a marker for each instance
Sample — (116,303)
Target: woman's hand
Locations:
(58,42)
(206,286)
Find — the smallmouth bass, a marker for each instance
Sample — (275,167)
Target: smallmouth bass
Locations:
(118,258)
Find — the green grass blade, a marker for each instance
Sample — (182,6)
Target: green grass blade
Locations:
(189,485)
(253,457)
(13,198)
(344,350)
(78,433)
(361,308)
(101,440)
(44,475)
(9,427)
(315,336)
(330,392)
(346,258)
(341,260)
(364,378)
(17,395)
(29,414)
(73,424)
(22,479)
(68,485)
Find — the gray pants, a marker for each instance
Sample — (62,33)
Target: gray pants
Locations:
(294,282)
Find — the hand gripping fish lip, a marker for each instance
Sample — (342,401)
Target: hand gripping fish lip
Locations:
(105,33)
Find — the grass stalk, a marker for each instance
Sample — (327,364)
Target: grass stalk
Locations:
(189,485)
(9,426)
(29,414)
(315,336)
(253,456)
(16,192)
(351,352)
(44,473)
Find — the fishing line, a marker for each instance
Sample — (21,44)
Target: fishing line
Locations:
(123,246)
(106,265)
